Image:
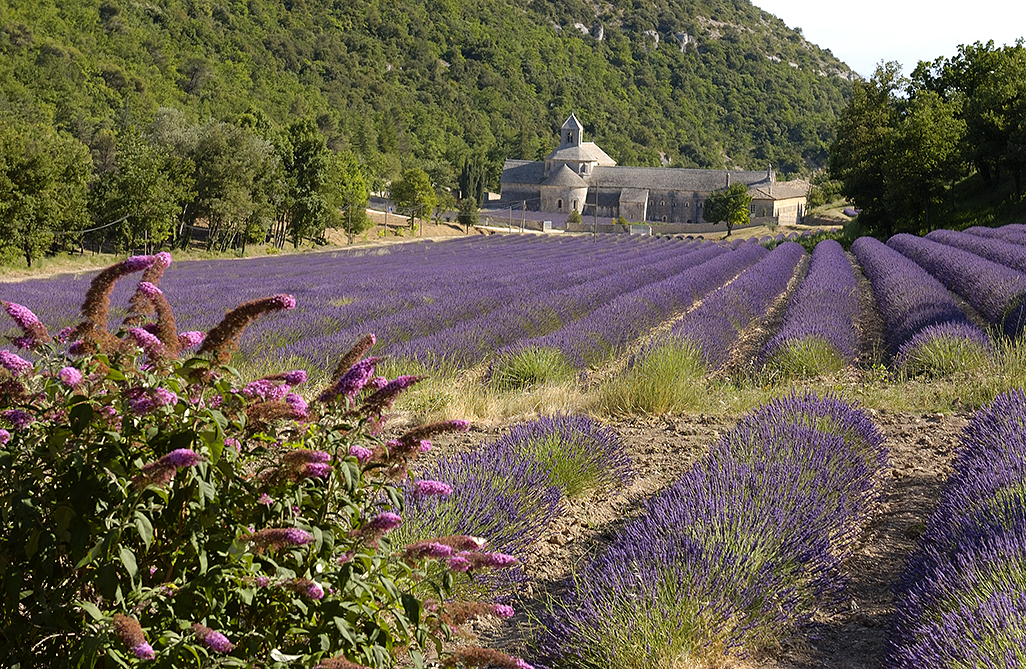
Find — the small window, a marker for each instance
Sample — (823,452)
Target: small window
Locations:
(664,219)
(559,205)
(662,203)
(575,205)
(687,205)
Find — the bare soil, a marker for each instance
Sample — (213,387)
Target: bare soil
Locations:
(921,449)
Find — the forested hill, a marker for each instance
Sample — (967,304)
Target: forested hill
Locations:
(708,83)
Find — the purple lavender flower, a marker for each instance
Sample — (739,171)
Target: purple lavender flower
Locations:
(14,363)
(427,488)
(299,406)
(148,341)
(70,376)
(18,418)
(182,457)
(295,377)
(164,397)
(258,388)
(352,382)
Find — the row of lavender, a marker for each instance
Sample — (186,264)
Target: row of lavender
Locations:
(962,600)
(745,546)
(511,489)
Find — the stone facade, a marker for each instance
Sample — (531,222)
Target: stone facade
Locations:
(580,176)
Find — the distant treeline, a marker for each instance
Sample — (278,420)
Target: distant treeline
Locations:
(153,188)
(904,143)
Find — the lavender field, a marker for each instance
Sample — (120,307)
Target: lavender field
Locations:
(797,355)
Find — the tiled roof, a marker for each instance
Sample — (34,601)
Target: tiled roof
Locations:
(566,177)
(671,179)
(586,152)
(633,195)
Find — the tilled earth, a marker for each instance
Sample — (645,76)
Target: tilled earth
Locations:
(852,635)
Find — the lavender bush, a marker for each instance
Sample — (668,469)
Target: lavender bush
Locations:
(910,301)
(741,549)
(820,318)
(156,508)
(579,453)
(961,601)
(715,324)
(996,291)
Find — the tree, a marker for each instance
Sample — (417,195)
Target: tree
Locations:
(468,213)
(348,191)
(730,205)
(413,193)
(574,217)
(43,179)
(861,147)
(147,186)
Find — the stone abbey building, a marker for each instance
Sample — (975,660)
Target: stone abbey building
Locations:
(580,176)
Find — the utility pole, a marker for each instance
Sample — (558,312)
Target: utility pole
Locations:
(509,226)
(523,217)
(595,228)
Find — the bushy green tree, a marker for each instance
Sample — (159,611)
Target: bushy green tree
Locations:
(730,205)
(145,185)
(414,193)
(468,214)
(43,180)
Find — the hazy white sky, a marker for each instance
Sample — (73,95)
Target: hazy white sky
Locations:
(864,32)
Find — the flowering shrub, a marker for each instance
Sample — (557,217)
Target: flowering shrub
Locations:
(155,508)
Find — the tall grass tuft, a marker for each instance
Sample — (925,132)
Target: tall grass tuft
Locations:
(944,350)
(531,366)
(668,378)
(805,358)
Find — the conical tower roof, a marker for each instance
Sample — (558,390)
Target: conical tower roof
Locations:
(573,124)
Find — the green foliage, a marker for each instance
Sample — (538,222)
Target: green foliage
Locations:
(730,205)
(468,214)
(146,186)
(414,194)
(804,358)
(574,218)
(903,144)
(530,367)
(940,357)
(43,178)
(669,378)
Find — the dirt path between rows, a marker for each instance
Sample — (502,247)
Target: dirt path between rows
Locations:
(921,449)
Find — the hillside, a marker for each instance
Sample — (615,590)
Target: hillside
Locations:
(684,82)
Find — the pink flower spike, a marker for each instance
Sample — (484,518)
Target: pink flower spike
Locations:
(265,499)
(162,259)
(190,339)
(458,563)
(137,263)
(70,376)
(5,436)
(149,290)
(144,651)
(428,488)
(14,363)
(384,522)
(423,446)
(361,454)
(285,301)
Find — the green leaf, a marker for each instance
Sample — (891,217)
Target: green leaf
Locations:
(128,559)
(115,375)
(145,528)
(92,610)
(80,416)
(91,555)
(413,608)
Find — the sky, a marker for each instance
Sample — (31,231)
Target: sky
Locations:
(865,32)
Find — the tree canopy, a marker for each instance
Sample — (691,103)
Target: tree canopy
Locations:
(730,205)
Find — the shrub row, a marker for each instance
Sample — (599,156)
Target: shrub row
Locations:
(744,547)
(962,598)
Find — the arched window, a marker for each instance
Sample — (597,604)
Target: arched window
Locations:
(687,205)
(664,219)
(559,204)
(662,203)
(569,137)
(575,205)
